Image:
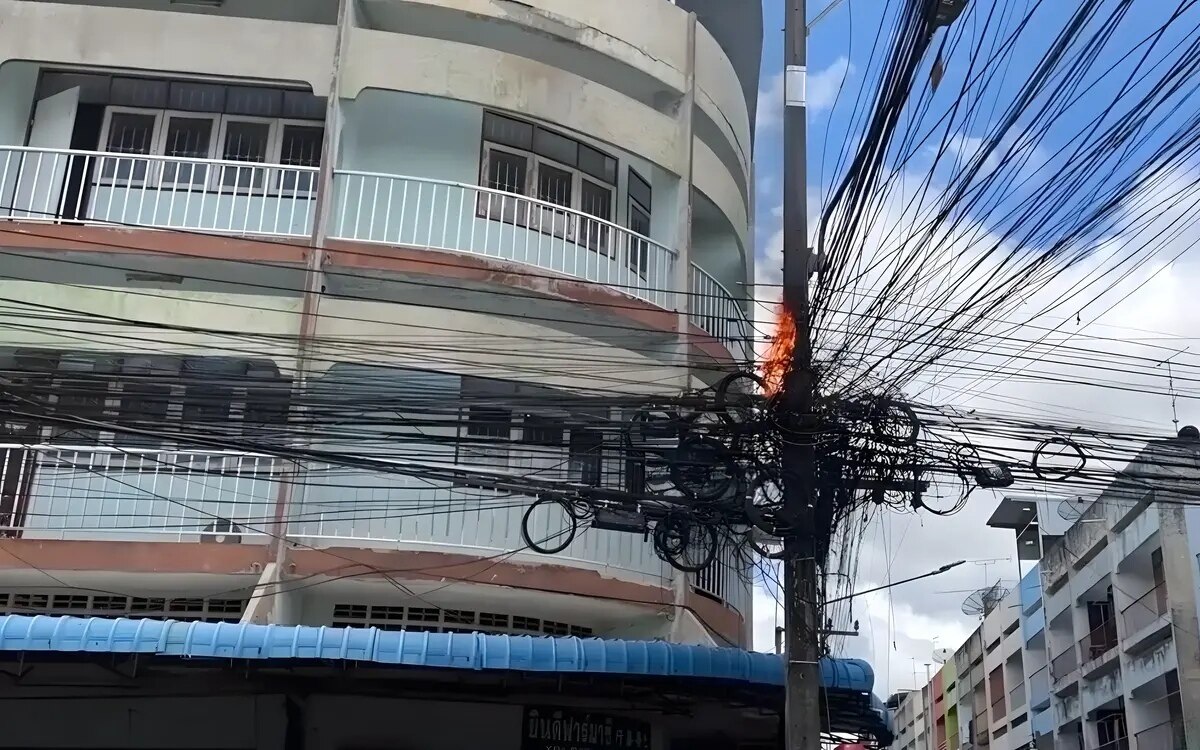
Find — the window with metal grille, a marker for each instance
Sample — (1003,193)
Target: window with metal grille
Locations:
(244,141)
(140,401)
(129,134)
(350,611)
(458,617)
(192,120)
(489,430)
(300,146)
(523,159)
(188,137)
(539,430)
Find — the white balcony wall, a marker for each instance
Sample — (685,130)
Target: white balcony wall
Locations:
(1094,693)
(1144,667)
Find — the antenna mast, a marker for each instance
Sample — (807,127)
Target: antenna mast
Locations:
(1171,386)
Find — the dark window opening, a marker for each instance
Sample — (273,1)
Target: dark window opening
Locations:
(587,457)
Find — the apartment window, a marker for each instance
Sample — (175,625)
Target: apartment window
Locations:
(538,430)
(130,132)
(638,257)
(244,141)
(252,141)
(487,424)
(586,457)
(191,138)
(89,398)
(300,146)
(527,160)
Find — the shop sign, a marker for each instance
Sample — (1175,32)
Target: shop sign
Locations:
(549,728)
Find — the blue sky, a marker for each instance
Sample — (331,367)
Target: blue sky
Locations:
(840,57)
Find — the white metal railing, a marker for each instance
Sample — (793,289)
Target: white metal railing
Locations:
(455,216)
(717,312)
(160,192)
(727,578)
(70,492)
(128,494)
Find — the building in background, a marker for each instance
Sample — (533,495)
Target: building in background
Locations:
(1096,648)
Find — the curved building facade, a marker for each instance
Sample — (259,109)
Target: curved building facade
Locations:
(391,203)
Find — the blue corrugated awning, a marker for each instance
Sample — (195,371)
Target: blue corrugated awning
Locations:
(474,651)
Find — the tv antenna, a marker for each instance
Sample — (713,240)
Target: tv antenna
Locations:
(1171,385)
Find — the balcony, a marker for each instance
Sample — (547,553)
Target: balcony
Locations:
(458,217)
(151,495)
(999,711)
(1168,735)
(1146,619)
(1039,688)
(1016,697)
(279,201)
(1063,666)
(1096,644)
(157,192)
(1121,743)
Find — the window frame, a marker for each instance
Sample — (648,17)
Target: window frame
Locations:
(281,168)
(485,451)
(163,125)
(269,149)
(632,204)
(147,179)
(564,222)
(154,177)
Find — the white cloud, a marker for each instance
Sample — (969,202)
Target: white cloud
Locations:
(823,86)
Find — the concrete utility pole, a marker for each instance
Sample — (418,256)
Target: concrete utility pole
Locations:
(802,714)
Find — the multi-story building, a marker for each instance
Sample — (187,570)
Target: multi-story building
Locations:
(1096,648)
(513,206)
(972,696)
(292,291)
(1119,594)
(909,719)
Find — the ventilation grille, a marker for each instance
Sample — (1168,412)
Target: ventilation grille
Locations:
(104,605)
(434,620)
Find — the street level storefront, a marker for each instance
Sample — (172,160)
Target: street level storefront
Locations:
(124,683)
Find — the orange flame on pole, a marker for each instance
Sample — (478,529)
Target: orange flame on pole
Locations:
(778,359)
